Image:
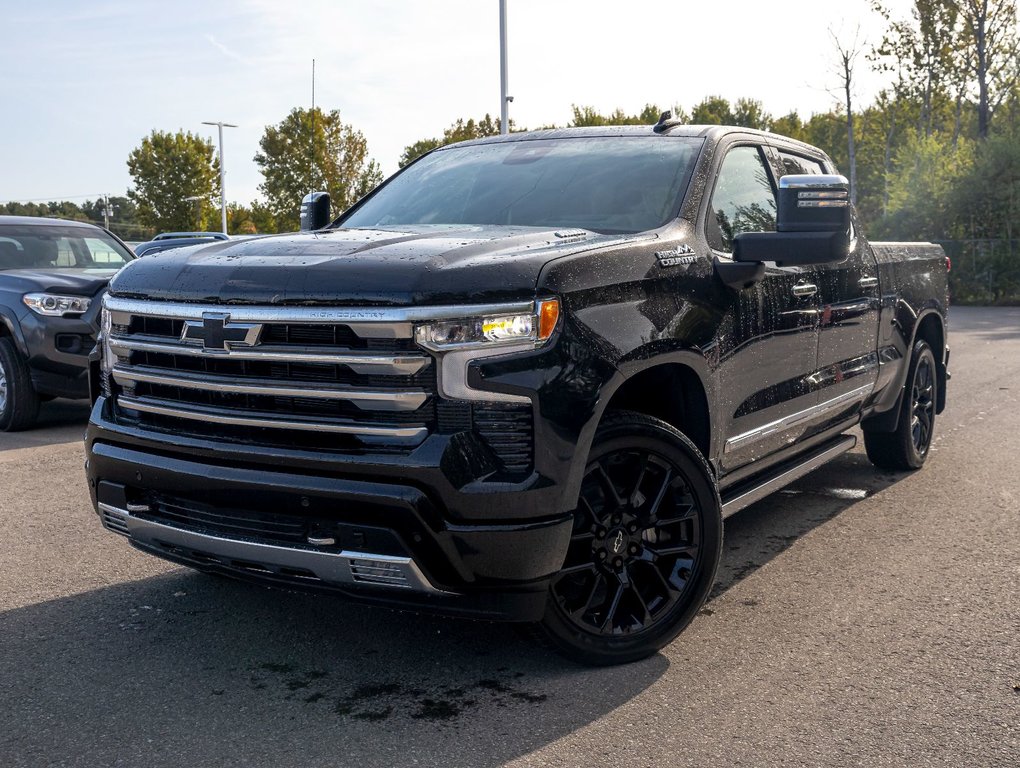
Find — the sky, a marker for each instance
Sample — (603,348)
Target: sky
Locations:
(82,83)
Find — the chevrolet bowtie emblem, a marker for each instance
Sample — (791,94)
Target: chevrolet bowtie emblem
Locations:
(217,334)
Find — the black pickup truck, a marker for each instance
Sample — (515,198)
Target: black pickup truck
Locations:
(525,379)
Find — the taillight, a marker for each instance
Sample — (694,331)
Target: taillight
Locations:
(949,264)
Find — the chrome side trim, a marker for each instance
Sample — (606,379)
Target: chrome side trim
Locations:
(396,365)
(759,492)
(370,434)
(365,399)
(368,320)
(344,568)
(793,420)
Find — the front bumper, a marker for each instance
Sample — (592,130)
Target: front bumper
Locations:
(380,529)
(58,351)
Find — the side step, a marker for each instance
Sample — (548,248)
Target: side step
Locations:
(746,494)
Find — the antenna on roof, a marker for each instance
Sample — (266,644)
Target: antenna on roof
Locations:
(667,121)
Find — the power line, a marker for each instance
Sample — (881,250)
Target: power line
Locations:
(53,198)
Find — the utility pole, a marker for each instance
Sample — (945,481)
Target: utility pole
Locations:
(106,211)
(223,172)
(504,100)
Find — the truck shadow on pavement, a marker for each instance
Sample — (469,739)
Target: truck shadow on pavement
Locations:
(185,668)
(60,421)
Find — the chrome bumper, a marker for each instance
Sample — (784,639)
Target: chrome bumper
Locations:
(345,568)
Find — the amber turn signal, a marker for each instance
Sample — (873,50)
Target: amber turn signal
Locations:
(548,316)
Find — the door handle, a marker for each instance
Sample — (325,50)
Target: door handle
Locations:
(805,289)
(868,282)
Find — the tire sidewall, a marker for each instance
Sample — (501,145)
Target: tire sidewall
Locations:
(22,404)
(644,433)
(920,352)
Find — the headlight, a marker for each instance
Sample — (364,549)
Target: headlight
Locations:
(485,332)
(460,342)
(55,305)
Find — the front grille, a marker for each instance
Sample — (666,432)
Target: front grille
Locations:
(286,376)
(507,430)
(294,377)
(233,524)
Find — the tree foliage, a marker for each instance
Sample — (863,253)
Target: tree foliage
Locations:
(167,169)
(460,130)
(308,151)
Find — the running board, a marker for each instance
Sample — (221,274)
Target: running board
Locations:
(747,496)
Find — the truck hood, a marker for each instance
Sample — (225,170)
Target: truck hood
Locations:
(76,282)
(389,266)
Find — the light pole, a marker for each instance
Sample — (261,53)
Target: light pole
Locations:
(504,100)
(223,172)
(198,208)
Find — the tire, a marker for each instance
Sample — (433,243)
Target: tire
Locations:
(907,447)
(19,404)
(645,546)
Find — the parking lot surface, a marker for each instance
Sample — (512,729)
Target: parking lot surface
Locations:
(860,618)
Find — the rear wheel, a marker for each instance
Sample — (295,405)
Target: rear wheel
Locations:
(19,404)
(645,546)
(908,446)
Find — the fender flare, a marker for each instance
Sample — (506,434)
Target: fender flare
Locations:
(886,421)
(626,369)
(12,326)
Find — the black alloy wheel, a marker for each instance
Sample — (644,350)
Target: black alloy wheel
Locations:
(922,407)
(907,447)
(645,544)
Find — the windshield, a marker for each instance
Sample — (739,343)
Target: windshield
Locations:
(605,184)
(35,246)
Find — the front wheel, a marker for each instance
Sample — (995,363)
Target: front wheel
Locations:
(19,404)
(645,545)
(908,446)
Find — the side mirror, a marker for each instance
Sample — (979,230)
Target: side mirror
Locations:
(812,224)
(315,211)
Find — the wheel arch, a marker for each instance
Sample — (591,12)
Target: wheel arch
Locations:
(644,386)
(10,327)
(929,326)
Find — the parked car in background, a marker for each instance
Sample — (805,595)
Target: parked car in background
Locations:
(52,273)
(164,241)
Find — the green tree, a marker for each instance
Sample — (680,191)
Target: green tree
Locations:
(712,110)
(308,151)
(921,191)
(750,113)
(461,130)
(589,116)
(167,169)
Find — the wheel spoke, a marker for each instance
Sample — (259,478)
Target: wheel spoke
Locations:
(580,568)
(636,498)
(586,603)
(613,605)
(646,614)
(653,513)
(608,487)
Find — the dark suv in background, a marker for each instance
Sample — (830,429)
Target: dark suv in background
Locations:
(52,273)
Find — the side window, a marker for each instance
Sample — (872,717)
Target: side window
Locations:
(103,253)
(743,199)
(798,164)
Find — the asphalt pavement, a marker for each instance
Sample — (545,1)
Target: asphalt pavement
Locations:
(861,617)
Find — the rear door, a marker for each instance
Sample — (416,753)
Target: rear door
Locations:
(768,351)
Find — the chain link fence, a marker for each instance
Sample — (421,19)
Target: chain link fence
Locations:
(984,271)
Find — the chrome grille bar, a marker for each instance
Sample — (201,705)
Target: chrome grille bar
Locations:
(395,400)
(366,432)
(383,365)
